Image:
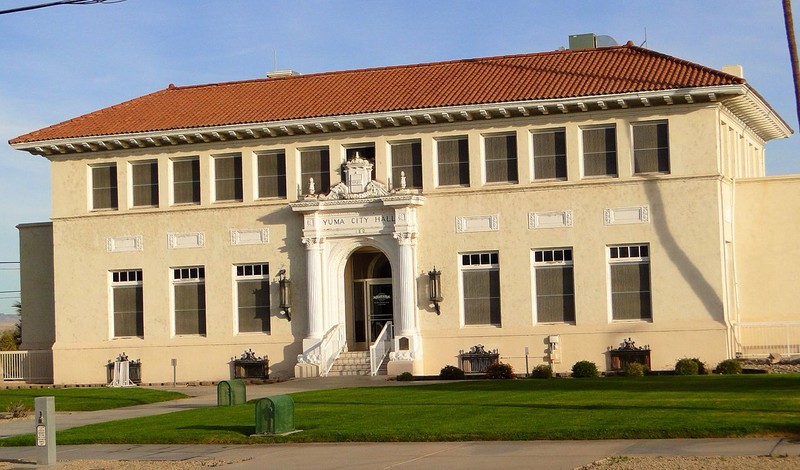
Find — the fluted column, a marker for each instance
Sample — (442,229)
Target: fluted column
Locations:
(407,326)
(315,286)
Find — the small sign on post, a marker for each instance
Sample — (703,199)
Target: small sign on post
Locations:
(45,409)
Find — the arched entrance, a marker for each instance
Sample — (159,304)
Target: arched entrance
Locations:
(368,283)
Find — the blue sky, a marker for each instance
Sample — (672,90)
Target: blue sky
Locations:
(64,61)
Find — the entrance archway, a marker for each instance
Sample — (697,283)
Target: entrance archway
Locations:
(370,296)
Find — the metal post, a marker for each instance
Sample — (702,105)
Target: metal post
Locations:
(45,431)
(174,371)
(527,371)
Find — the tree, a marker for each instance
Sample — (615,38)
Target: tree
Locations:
(8,341)
(17,334)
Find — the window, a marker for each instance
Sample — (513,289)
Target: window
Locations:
(252,298)
(272,174)
(365,152)
(407,158)
(228,178)
(186,181)
(480,276)
(453,161)
(501,158)
(555,287)
(104,187)
(600,151)
(549,155)
(127,303)
(190,300)
(651,147)
(144,182)
(315,164)
(629,267)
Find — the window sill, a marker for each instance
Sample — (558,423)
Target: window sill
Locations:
(488,325)
(632,320)
(254,333)
(599,177)
(554,323)
(124,338)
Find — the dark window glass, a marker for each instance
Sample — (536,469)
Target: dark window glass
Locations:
(630,291)
(651,148)
(481,297)
(555,294)
(253,297)
(549,155)
(272,175)
(600,152)
(228,178)
(186,181)
(128,311)
(104,187)
(145,183)
(407,158)
(501,158)
(315,164)
(453,162)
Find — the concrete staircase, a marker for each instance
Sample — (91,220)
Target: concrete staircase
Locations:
(353,363)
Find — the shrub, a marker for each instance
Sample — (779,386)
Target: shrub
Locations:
(451,373)
(542,371)
(499,370)
(687,366)
(584,369)
(405,377)
(634,369)
(17,409)
(701,367)
(729,366)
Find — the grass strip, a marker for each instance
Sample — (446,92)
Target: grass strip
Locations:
(87,399)
(603,408)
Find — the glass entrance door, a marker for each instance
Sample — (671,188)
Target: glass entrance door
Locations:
(380,308)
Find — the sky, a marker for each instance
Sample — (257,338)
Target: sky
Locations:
(60,62)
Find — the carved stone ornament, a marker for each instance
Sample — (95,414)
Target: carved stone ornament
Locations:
(401,356)
(308,359)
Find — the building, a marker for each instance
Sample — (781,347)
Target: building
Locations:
(551,205)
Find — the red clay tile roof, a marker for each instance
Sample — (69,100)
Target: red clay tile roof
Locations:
(547,75)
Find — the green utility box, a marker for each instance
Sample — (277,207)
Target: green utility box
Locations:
(231,392)
(275,415)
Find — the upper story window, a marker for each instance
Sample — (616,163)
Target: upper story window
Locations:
(452,156)
(127,303)
(365,152)
(316,164)
(629,269)
(144,183)
(480,282)
(272,174)
(600,151)
(407,158)
(500,152)
(555,285)
(549,154)
(104,187)
(228,178)
(650,147)
(186,181)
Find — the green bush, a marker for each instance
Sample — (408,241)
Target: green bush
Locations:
(701,367)
(583,369)
(542,371)
(500,370)
(729,366)
(687,366)
(405,377)
(634,369)
(451,373)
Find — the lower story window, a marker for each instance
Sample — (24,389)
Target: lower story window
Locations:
(190,300)
(252,298)
(480,280)
(127,303)
(555,287)
(629,270)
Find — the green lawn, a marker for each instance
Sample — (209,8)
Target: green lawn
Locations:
(603,408)
(87,399)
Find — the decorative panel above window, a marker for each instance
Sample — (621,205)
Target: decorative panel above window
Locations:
(407,159)
(228,178)
(600,151)
(104,187)
(549,154)
(500,153)
(651,147)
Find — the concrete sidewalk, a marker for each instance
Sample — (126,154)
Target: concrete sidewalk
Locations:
(439,455)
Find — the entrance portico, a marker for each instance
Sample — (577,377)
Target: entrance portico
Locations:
(357,215)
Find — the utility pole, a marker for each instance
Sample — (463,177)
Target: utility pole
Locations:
(787,18)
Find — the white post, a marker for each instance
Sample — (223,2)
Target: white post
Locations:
(315,299)
(408,317)
(45,431)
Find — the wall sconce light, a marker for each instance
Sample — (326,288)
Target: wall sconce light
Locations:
(285,285)
(435,288)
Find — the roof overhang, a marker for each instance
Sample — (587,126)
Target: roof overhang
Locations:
(740,99)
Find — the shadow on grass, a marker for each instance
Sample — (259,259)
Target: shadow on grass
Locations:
(243,430)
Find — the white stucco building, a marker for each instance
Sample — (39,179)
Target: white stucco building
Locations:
(569,199)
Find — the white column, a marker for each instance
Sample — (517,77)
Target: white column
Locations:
(408,318)
(315,285)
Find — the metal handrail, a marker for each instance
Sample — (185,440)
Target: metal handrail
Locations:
(380,348)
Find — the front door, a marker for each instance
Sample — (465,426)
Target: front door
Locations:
(372,307)
(380,308)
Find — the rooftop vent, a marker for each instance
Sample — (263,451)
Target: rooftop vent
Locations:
(282,73)
(735,70)
(590,41)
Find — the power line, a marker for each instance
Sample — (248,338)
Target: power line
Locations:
(53,4)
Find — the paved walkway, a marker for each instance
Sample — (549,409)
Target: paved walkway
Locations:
(440,455)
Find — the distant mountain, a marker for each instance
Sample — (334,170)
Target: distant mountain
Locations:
(7,321)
